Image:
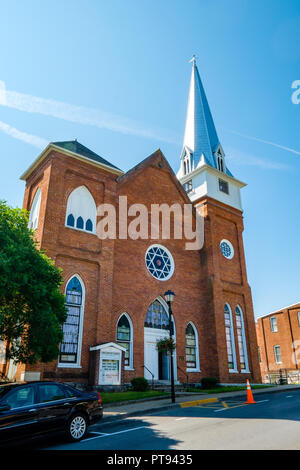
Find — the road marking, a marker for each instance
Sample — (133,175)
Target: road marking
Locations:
(112,433)
(98,433)
(187,404)
(225,404)
(179,419)
(289,396)
(261,401)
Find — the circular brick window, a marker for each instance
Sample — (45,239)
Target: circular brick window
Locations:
(227,249)
(159,262)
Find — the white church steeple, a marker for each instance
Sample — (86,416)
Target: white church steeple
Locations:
(203,169)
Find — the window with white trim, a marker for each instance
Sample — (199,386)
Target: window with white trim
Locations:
(299,318)
(72,328)
(229,338)
(277,354)
(240,331)
(124,338)
(191,347)
(35,210)
(81,210)
(273,324)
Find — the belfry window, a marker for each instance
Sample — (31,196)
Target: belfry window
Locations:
(81,210)
(72,328)
(223,186)
(124,338)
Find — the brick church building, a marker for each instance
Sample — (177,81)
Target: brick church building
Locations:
(115,287)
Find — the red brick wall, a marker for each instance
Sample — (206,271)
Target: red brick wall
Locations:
(115,276)
(286,337)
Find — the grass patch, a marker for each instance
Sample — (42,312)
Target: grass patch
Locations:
(233,388)
(114,397)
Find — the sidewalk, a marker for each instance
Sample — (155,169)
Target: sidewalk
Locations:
(123,410)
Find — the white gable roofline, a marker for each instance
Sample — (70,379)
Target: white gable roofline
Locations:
(51,147)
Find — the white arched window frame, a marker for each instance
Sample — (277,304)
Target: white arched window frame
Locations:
(241,336)
(230,341)
(35,210)
(197,368)
(81,213)
(130,342)
(77,363)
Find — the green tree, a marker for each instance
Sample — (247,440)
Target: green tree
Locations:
(32,307)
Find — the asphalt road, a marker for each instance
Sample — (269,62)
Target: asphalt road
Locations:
(273,423)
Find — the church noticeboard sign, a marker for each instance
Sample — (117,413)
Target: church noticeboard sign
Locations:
(109,371)
(109,363)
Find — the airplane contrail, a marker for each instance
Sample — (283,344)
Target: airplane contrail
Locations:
(80,114)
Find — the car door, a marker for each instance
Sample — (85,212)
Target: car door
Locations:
(20,419)
(53,406)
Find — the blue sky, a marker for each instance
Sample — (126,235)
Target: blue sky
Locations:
(124,65)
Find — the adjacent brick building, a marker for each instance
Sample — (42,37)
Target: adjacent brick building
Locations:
(278,337)
(115,286)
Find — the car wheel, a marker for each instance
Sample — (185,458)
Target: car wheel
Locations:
(77,427)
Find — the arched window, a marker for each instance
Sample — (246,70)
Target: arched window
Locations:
(184,164)
(35,210)
(230,338)
(79,223)
(191,348)
(124,338)
(240,330)
(70,348)
(157,316)
(89,225)
(82,208)
(70,220)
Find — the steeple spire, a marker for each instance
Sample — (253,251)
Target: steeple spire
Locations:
(200,138)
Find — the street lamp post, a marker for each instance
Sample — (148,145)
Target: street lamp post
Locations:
(169,296)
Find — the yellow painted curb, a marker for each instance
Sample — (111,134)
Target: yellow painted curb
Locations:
(198,402)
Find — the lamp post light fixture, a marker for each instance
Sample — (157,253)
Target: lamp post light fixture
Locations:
(169,296)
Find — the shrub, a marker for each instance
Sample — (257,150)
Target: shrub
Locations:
(209,382)
(139,384)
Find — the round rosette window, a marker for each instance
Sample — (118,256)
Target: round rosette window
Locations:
(159,262)
(227,249)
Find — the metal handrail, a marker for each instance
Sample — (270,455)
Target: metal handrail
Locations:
(187,375)
(145,367)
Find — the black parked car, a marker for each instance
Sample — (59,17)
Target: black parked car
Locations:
(29,409)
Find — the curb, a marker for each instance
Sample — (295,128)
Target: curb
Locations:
(120,416)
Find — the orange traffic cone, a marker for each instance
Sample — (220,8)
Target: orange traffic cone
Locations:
(250,399)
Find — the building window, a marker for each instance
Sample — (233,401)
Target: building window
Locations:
(223,186)
(82,208)
(124,338)
(35,210)
(191,348)
(159,262)
(188,186)
(229,338)
(157,317)
(259,354)
(277,354)
(273,322)
(299,318)
(240,329)
(72,328)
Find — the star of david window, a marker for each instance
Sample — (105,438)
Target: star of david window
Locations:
(159,262)
(227,249)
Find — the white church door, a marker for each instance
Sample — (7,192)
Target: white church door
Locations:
(157,328)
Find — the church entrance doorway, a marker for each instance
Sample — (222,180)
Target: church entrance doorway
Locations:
(157,364)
